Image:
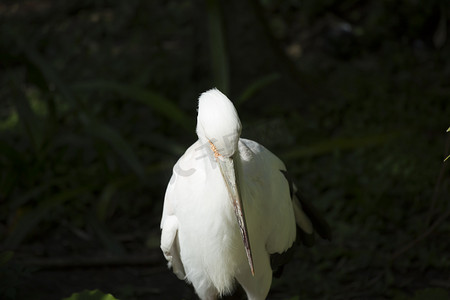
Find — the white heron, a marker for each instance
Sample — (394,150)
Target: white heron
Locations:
(230,210)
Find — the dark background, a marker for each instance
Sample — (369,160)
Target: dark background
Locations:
(98,100)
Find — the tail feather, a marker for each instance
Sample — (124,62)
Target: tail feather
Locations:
(320,225)
(307,216)
(308,222)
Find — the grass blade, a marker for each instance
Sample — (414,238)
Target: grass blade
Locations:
(5,257)
(12,156)
(12,163)
(331,145)
(105,236)
(104,201)
(256,86)
(98,129)
(159,103)
(118,143)
(8,181)
(49,74)
(448,130)
(217,46)
(27,117)
(90,295)
(30,219)
(10,122)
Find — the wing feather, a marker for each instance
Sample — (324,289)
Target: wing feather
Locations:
(308,219)
(170,246)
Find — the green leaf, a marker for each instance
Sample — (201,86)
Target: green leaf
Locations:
(49,74)
(11,154)
(425,294)
(256,86)
(5,257)
(27,117)
(431,293)
(30,219)
(104,201)
(10,122)
(164,143)
(118,143)
(159,103)
(217,46)
(8,181)
(107,238)
(91,295)
(93,126)
(32,193)
(341,143)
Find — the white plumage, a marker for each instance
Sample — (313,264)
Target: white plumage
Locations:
(202,233)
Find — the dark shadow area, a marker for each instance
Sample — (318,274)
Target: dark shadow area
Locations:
(98,100)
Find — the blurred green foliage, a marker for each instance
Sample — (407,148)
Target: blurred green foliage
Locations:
(90,295)
(429,293)
(98,101)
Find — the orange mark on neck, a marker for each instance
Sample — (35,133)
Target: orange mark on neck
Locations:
(214,149)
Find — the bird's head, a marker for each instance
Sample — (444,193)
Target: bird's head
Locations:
(218,125)
(218,122)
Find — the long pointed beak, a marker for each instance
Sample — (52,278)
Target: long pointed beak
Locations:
(229,175)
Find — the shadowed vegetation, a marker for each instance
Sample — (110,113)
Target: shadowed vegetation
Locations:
(98,100)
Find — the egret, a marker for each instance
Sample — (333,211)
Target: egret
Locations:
(231,212)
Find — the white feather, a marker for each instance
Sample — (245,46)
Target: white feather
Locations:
(204,233)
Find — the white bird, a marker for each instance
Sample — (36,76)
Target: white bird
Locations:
(230,210)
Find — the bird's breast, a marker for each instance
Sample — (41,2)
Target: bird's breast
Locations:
(210,241)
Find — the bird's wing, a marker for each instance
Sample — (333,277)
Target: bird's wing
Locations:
(269,196)
(308,222)
(308,219)
(169,232)
(170,246)
(183,168)
(169,228)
